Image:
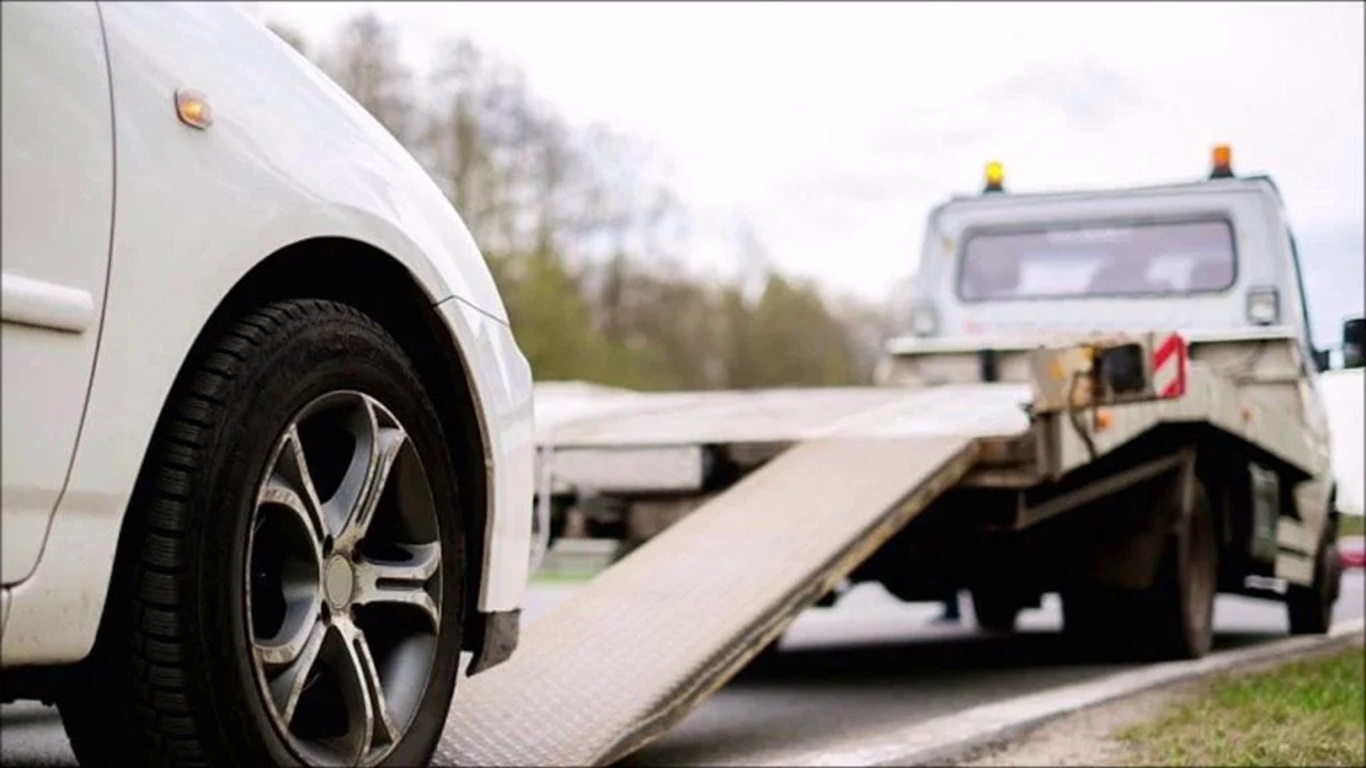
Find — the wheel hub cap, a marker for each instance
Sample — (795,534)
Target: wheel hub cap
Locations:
(339,582)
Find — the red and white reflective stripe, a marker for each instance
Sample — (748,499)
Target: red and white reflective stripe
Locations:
(1169,367)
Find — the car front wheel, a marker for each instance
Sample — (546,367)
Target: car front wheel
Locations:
(288,589)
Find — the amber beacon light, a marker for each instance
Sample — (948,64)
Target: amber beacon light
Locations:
(1222,165)
(996,175)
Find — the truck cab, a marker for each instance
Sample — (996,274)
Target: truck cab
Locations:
(1208,257)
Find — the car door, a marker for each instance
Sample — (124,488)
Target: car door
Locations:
(58,190)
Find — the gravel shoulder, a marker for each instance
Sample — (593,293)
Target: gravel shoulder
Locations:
(1087,737)
(1092,736)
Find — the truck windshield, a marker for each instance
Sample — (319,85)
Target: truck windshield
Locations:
(1147,259)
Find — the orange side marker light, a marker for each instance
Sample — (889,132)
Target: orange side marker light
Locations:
(193,109)
(1104,418)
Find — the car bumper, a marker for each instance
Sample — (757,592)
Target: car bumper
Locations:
(501,379)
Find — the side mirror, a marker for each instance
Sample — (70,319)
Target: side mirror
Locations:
(1352,343)
(1322,360)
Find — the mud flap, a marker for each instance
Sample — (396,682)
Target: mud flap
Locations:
(1127,556)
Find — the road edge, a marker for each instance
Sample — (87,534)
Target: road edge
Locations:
(955,736)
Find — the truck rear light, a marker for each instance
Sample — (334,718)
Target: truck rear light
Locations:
(1263,306)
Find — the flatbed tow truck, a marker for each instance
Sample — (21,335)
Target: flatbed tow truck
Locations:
(1060,421)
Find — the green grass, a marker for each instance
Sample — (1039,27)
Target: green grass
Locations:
(563,577)
(1308,712)
(1351,525)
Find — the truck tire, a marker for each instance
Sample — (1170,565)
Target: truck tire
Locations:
(1310,608)
(298,464)
(995,610)
(1172,618)
(1176,615)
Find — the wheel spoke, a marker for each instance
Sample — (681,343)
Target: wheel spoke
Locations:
(286,688)
(279,492)
(372,717)
(386,444)
(277,651)
(293,580)
(292,468)
(403,583)
(355,484)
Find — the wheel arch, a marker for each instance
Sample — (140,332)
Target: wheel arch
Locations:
(1334,511)
(361,275)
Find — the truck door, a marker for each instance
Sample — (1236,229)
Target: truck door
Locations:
(58,187)
(1312,496)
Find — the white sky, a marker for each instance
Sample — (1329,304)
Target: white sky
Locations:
(834,127)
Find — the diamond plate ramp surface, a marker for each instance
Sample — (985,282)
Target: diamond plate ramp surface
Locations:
(629,655)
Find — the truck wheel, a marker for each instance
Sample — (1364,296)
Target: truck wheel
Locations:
(1089,616)
(1179,615)
(1311,607)
(289,583)
(1171,619)
(996,611)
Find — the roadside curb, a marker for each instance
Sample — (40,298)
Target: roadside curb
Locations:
(952,737)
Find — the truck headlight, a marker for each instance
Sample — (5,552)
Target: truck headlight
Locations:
(1263,306)
(924,320)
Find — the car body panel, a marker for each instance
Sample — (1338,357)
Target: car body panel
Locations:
(502,383)
(59,197)
(1352,552)
(196,211)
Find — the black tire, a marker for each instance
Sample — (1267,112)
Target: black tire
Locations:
(1171,619)
(995,611)
(1176,615)
(173,680)
(1310,608)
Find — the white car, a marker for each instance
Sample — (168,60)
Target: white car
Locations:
(268,438)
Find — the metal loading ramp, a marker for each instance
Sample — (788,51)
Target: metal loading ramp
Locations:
(638,647)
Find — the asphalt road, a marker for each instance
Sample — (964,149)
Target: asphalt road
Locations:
(870,662)
(873,663)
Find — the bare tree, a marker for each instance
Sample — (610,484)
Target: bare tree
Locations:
(289,35)
(365,61)
(579,226)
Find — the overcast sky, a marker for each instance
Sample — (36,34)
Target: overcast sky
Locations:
(833,128)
